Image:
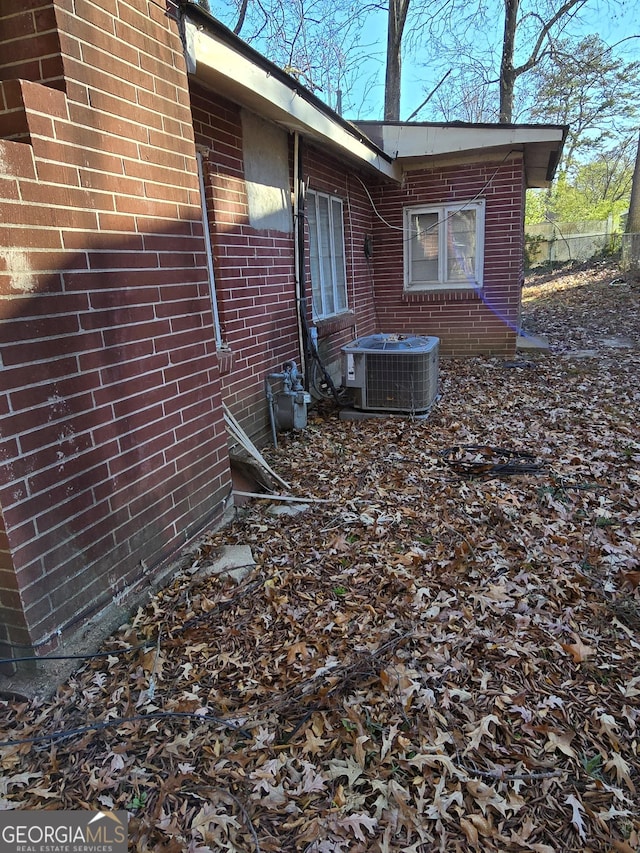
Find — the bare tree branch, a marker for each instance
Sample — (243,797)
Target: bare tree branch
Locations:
(429,96)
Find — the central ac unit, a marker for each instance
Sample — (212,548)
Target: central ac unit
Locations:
(392,373)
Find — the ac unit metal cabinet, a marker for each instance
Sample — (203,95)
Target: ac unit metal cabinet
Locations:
(392,372)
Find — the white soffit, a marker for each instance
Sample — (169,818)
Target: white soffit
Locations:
(414,143)
(227,71)
(415,140)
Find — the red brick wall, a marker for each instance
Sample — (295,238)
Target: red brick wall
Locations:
(324,174)
(255,269)
(114,449)
(13,629)
(466,323)
(31,44)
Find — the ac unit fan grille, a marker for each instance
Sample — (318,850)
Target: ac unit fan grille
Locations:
(401,382)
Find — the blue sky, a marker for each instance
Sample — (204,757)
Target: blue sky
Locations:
(613,20)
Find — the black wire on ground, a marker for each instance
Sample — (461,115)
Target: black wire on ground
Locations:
(479,460)
(119,721)
(147,645)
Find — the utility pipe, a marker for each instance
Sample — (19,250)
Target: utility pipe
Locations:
(299,254)
(209,252)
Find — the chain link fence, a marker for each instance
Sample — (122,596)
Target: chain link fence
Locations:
(560,242)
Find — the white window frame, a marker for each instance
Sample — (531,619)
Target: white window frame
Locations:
(444,212)
(328,280)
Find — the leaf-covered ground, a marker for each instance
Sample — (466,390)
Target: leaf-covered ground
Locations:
(425,661)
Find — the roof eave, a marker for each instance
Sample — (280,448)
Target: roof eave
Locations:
(426,142)
(223,63)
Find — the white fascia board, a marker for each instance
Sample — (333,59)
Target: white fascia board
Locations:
(227,71)
(421,141)
(418,145)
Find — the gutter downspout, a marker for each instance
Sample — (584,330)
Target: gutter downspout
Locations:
(209,251)
(299,255)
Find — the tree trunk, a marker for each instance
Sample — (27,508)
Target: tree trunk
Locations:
(633,219)
(507,71)
(397,19)
(630,259)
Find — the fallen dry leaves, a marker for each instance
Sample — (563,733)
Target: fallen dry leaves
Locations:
(425,662)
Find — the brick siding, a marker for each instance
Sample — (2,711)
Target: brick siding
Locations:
(466,322)
(255,269)
(31,44)
(325,175)
(114,449)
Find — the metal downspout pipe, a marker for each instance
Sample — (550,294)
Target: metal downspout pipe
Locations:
(209,252)
(299,254)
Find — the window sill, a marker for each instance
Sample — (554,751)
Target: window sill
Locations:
(442,292)
(330,325)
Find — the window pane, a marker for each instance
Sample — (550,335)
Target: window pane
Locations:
(424,247)
(338,248)
(325,255)
(314,262)
(461,245)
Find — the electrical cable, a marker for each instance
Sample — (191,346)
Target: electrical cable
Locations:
(319,383)
(479,460)
(89,656)
(473,284)
(319,365)
(315,355)
(119,721)
(375,209)
(440,222)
